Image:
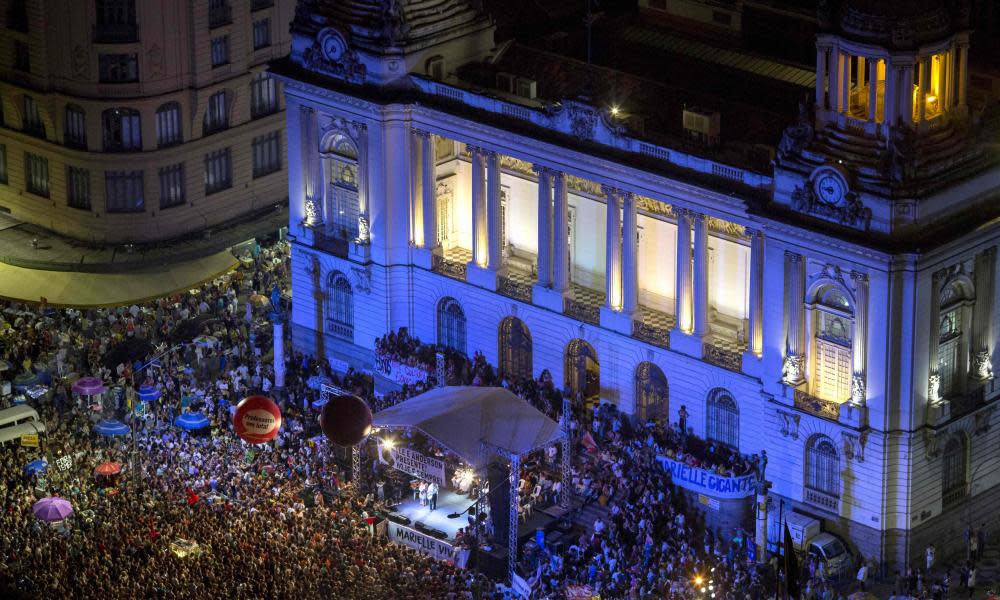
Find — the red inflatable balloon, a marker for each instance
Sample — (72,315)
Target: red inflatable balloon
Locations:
(346,420)
(257,419)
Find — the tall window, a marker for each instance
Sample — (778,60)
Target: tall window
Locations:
(261,34)
(955,302)
(217,114)
(343,203)
(340,307)
(36,174)
(168,125)
(652,394)
(833,364)
(32,122)
(263,96)
(78,188)
(954,465)
(451,325)
(22,56)
(723,424)
(118,68)
(220,50)
(116,22)
(218,171)
(3,163)
(122,130)
(171,186)
(219,13)
(266,154)
(514,344)
(823,466)
(123,191)
(76,127)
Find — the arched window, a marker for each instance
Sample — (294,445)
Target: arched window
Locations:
(515,349)
(956,308)
(122,130)
(723,419)
(168,124)
(652,394)
(582,371)
(340,307)
(451,325)
(216,113)
(76,126)
(954,466)
(343,205)
(823,471)
(834,332)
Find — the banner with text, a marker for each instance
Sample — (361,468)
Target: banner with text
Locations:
(708,483)
(398,372)
(412,462)
(426,544)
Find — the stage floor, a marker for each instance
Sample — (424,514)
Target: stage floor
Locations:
(448,502)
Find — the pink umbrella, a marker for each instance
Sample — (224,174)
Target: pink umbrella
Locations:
(89,386)
(52,509)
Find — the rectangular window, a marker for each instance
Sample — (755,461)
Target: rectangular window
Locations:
(118,68)
(216,115)
(220,50)
(22,56)
(168,125)
(219,13)
(261,34)
(123,191)
(122,130)
(171,186)
(32,122)
(266,154)
(116,22)
(218,171)
(78,188)
(76,127)
(36,174)
(263,96)
(3,163)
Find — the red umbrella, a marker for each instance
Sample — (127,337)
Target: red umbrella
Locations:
(108,468)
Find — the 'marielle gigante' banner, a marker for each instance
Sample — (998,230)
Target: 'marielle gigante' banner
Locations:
(708,483)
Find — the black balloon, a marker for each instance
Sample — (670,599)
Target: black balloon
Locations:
(346,420)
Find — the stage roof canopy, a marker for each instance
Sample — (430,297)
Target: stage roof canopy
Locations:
(461,418)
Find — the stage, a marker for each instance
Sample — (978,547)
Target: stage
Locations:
(449,502)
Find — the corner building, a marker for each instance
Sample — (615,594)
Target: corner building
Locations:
(140,121)
(805,258)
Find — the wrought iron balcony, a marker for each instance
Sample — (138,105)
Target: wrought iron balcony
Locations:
(582,311)
(651,334)
(219,16)
(448,267)
(512,288)
(331,244)
(721,357)
(827,409)
(116,33)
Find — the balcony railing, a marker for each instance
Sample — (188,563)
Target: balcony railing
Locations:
(116,33)
(514,289)
(581,311)
(720,357)
(821,499)
(965,403)
(449,268)
(338,329)
(817,406)
(651,334)
(36,129)
(330,244)
(219,16)
(261,4)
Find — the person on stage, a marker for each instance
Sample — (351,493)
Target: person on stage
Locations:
(432,495)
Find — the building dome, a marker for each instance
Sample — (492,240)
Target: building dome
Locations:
(896,24)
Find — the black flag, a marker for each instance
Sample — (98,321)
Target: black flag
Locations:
(791,567)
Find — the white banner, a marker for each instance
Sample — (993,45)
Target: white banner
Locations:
(412,462)
(398,372)
(426,544)
(708,483)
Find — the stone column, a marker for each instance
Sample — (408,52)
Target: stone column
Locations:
(891,99)
(560,234)
(760,537)
(846,82)
(630,258)
(682,289)
(700,275)
(950,78)
(963,75)
(923,75)
(821,78)
(982,315)
(493,212)
(279,352)
(833,89)
(480,248)
(313,195)
(429,189)
(613,249)
(755,337)
(544,225)
(793,369)
(933,379)
(907,96)
(873,89)
(859,345)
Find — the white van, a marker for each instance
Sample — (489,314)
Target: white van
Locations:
(17,415)
(14,433)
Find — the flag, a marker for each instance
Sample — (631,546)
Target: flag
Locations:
(791,567)
(589,443)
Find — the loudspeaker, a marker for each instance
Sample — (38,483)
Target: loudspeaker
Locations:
(500,502)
